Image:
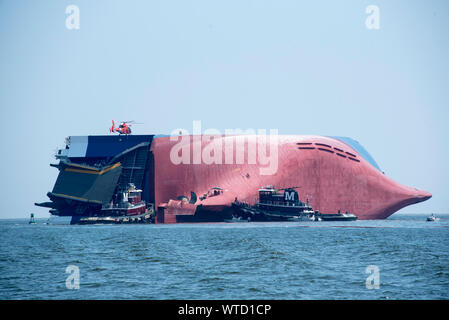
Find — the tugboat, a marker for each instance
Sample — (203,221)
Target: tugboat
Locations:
(126,203)
(276,205)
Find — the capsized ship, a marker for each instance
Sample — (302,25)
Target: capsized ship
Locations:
(335,173)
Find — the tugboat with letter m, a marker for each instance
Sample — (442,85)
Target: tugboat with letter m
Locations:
(276,205)
(284,205)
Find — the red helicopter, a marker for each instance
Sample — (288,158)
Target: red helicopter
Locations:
(123,128)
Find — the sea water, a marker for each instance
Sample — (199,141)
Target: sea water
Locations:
(403,257)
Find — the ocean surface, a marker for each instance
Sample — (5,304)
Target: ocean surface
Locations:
(290,260)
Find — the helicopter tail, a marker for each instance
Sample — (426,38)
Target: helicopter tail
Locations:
(112,129)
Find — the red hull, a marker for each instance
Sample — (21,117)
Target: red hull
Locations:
(332,175)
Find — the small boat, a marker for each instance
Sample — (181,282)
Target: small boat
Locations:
(432,218)
(338,217)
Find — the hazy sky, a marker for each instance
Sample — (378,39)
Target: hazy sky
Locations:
(300,67)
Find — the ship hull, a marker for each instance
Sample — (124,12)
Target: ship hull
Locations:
(333,176)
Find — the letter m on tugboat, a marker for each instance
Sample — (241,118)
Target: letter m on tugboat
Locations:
(290,195)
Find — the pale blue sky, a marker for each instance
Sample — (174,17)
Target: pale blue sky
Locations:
(301,67)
